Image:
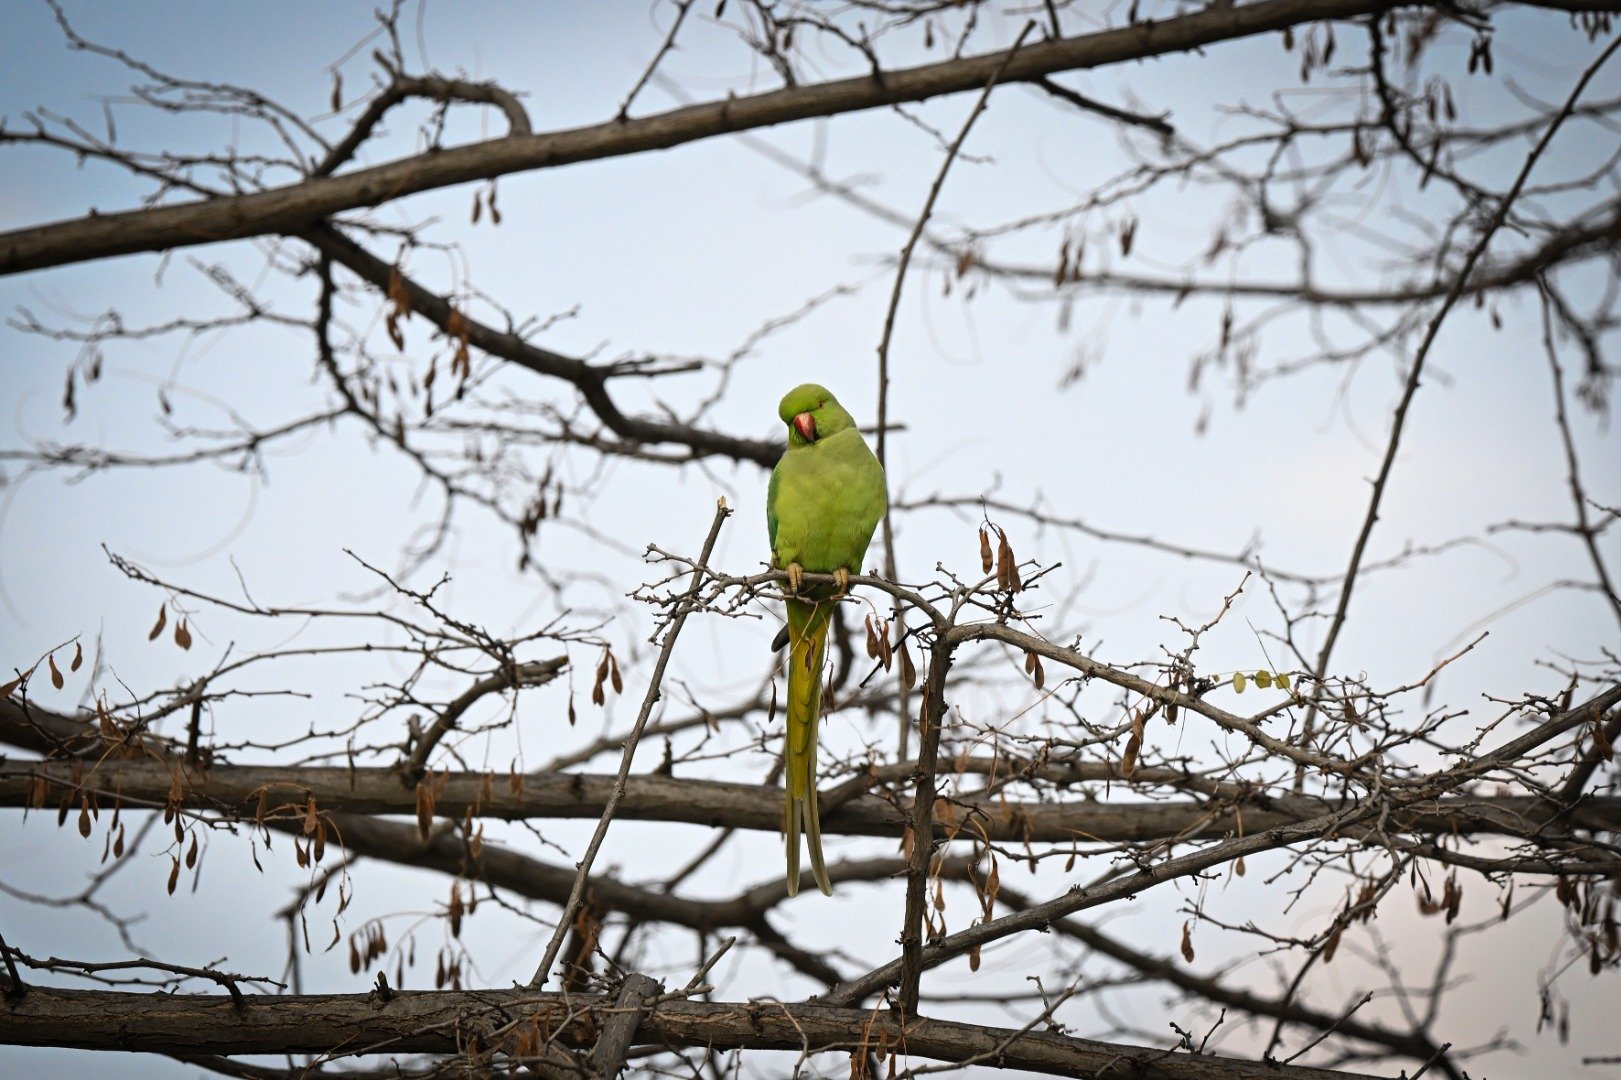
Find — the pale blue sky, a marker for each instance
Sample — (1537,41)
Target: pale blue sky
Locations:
(686,252)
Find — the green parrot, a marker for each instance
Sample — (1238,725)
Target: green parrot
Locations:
(826,497)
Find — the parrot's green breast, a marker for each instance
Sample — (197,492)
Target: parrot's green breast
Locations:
(824,502)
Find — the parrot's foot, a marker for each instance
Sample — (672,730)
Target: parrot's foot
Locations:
(841,577)
(796,574)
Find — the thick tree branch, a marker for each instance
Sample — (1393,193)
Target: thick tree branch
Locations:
(443,1022)
(298,206)
(635,999)
(237,790)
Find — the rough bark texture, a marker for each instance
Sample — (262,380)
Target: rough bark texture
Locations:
(297,206)
(444,1021)
(240,789)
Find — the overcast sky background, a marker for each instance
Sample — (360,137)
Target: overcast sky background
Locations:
(686,253)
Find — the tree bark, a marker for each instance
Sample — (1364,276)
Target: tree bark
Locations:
(294,207)
(452,1021)
(241,790)
(632,1004)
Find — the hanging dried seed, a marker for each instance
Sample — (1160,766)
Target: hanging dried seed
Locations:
(1601,738)
(424,809)
(1007,569)
(1134,745)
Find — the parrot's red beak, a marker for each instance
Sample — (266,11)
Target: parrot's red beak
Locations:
(805,424)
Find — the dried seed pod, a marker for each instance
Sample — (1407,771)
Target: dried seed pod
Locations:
(1128,235)
(1033,668)
(1007,568)
(597,696)
(424,809)
(1134,745)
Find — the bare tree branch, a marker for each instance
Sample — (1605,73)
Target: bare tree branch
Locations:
(298,206)
(440,1022)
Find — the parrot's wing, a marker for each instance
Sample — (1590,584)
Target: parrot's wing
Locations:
(771,514)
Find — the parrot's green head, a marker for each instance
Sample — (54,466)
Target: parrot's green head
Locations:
(812,413)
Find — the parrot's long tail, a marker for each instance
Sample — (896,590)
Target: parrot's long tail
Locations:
(807,640)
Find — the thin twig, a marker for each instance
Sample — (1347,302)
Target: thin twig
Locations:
(681,8)
(655,685)
(1578,495)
